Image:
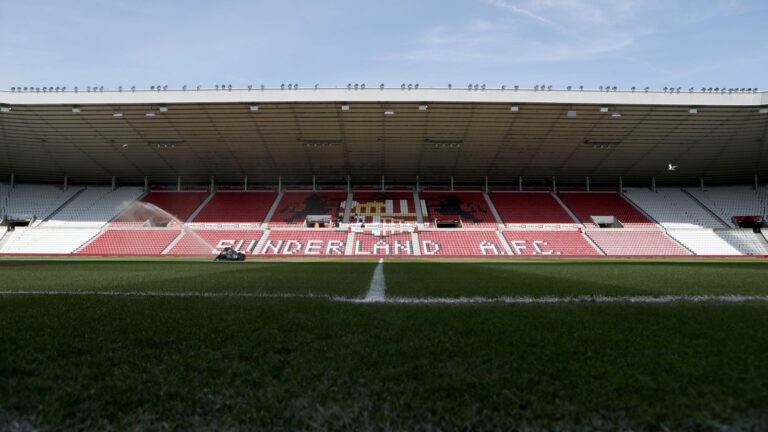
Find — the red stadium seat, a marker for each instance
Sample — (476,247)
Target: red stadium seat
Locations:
(635,242)
(130,242)
(530,208)
(585,205)
(237,207)
(460,243)
(549,243)
(294,207)
(211,242)
(304,243)
(470,208)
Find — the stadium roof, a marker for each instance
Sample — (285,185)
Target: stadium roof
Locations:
(372,132)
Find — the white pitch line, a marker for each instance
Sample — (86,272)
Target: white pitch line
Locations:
(414,300)
(378,286)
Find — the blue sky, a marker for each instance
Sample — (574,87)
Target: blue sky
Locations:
(657,43)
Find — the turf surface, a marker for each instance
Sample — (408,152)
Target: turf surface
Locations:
(190,363)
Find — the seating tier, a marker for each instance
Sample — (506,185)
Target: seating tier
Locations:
(460,243)
(549,243)
(530,208)
(304,243)
(294,207)
(211,242)
(236,207)
(381,207)
(584,205)
(130,242)
(470,208)
(635,242)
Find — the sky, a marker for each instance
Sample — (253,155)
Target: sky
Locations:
(624,43)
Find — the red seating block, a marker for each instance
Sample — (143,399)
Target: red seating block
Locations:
(584,205)
(530,208)
(549,243)
(127,242)
(460,243)
(635,242)
(469,207)
(211,242)
(294,207)
(237,207)
(382,244)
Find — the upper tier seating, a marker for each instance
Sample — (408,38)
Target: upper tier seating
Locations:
(460,243)
(381,207)
(237,207)
(38,201)
(128,242)
(587,204)
(43,240)
(381,244)
(720,242)
(179,204)
(294,207)
(304,242)
(211,242)
(729,201)
(94,207)
(469,207)
(530,208)
(549,243)
(616,241)
(672,208)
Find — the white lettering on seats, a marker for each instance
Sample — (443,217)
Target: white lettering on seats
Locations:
(225,244)
(314,247)
(519,246)
(292,247)
(487,248)
(359,248)
(271,247)
(537,244)
(335,247)
(403,247)
(381,248)
(428,247)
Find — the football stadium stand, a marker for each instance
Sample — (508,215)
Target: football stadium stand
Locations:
(649,242)
(381,207)
(672,208)
(130,242)
(382,244)
(94,207)
(585,205)
(720,242)
(546,243)
(33,202)
(304,243)
(523,209)
(45,241)
(294,207)
(452,242)
(237,207)
(179,204)
(729,201)
(211,242)
(470,209)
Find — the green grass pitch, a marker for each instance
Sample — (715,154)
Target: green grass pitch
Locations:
(268,345)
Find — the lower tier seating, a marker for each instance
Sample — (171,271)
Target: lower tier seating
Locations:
(304,242)
(549,243)
(211,242)
(237,207)
(530,208)
(720,242)
(130,242)
(587,204)
(635,242)
(381,207)
(383,244)
(470,208)
(460,243)
(40,240)
(294,207)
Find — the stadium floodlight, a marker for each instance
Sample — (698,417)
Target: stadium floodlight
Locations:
(570,113)
(514,108)
(75,110)
(693,110)
(150,114)
(117,114)
(389,112)
(254,108)
(423,107)
(345,108)
(604,109)
(615,114)
(163,109)
(5,109)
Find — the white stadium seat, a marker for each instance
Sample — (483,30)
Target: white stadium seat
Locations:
(39,240)
(672,208)
(94,207)
(729,201)
(38,201)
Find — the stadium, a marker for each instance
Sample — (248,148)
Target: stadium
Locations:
(376,222)
(358,171)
